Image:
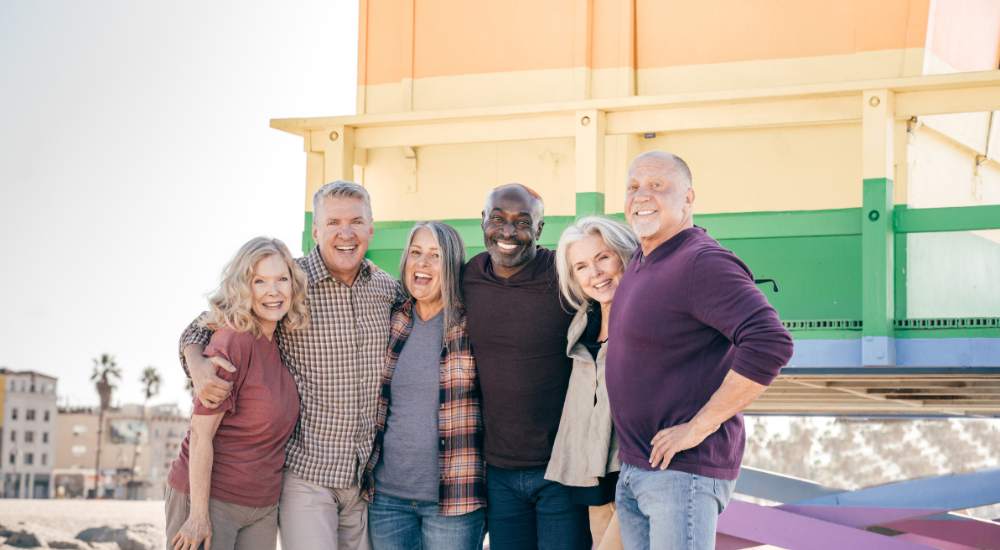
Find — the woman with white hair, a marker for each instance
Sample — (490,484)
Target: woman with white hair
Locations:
(591,257)
(426,478)
(224,487)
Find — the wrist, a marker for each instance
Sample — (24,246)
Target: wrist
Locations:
(702,426)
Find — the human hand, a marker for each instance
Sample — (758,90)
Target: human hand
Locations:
(209,388)
(197,528)
(678,438)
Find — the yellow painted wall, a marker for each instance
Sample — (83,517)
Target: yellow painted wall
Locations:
(452,180)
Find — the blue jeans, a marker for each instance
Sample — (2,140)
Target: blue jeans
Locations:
(527,512)
(397,524)
(669,510)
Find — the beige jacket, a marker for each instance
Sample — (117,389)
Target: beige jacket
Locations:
(586,446)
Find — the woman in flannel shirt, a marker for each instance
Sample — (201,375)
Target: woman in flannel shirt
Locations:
(224,487)
(426,478)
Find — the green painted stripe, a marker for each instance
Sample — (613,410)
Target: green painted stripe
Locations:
(950,333)
(877,258)
(308,244)
(932,220)
(589,204)
(762,225)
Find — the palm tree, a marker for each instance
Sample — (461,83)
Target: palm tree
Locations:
(151,382)
(104,371)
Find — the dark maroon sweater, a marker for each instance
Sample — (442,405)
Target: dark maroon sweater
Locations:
(682,318)
(518,328)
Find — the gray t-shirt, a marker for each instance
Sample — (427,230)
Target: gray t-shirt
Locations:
(408,465)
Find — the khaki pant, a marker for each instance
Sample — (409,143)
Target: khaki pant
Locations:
(234,527)
(604,527)
(313,517)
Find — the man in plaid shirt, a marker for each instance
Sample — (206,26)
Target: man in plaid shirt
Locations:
(337,363)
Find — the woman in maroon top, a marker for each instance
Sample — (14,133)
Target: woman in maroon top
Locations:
(224,487)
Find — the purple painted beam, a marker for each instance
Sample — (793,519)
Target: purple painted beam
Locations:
(857,517)
(726,542)
(935,543)
(962,530)
(788,530)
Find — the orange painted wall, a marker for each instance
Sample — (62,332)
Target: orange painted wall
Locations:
(453,37)
(966,34)
(673,33)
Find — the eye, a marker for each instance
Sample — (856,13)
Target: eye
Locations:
(284,278)
(435,255)
(258,281)
(414,253)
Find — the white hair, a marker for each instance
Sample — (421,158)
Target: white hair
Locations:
(619,238)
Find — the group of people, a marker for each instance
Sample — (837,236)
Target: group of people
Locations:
(569,398)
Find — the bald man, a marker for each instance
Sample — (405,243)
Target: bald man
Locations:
(691,343)
(517,326)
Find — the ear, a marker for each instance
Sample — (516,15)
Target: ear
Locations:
(482,224)
(538,233)
(315,238)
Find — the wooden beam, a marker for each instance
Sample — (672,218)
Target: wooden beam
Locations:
(937,102)
(465,132)
(737,115)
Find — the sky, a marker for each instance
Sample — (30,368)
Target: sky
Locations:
(136,158)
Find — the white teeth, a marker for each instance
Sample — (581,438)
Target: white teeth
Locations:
(604,284)
(422,276)
(506,246)
(645,212)
(273,304)
(346,248)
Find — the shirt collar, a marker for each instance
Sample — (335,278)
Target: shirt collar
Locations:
(316,269)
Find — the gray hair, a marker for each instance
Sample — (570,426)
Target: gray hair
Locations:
(619,237)
(342,189)
(452,250)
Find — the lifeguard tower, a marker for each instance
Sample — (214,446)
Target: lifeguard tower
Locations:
(846,149)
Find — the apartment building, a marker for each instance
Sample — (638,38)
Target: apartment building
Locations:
(27,433)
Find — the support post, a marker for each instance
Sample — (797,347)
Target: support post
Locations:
(590,159)
(878,346)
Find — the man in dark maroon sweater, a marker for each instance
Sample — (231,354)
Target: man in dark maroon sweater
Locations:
(517,325)
(691,343)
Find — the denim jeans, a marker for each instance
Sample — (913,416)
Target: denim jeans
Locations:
(398,524)
(669,510)
(527,512)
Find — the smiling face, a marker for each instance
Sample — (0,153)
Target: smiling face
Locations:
(658,199)
(511,225)
(596,267)
(342,230)
(423,268)
(272,291)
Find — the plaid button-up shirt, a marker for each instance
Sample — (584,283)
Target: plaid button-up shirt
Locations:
(336,362)
(462,469)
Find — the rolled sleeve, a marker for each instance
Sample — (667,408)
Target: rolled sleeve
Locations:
(193,334)
(723,296)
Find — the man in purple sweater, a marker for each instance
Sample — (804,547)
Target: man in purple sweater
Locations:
(517,326)
(692,342)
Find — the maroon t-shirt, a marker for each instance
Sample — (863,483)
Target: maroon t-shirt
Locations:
(260,415)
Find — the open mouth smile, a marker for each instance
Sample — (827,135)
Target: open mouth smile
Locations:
(506,247)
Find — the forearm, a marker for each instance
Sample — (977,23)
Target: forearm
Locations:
(200,474)
(193,353)
(735,394)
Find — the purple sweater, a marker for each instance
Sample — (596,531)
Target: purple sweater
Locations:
(682,318)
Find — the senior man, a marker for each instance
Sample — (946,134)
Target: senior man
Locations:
(336,362)
(517,326)
(692,342)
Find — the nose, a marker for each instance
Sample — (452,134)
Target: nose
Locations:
(595,271)
(508,230)
(272,288)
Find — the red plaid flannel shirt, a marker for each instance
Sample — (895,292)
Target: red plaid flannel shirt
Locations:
(462,468)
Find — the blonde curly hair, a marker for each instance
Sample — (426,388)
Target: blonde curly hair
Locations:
(231,305)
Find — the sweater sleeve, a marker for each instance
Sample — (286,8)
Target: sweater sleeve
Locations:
(722,295)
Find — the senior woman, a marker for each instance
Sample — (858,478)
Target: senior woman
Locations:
(223,489)
(425,478)
(590,260)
